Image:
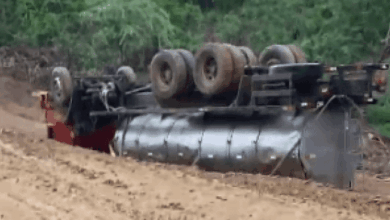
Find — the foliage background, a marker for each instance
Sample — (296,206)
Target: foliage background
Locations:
(97,32)
(94,33)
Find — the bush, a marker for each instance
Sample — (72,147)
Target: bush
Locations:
(329,31)
(96,32)
(379,115)
(112,31)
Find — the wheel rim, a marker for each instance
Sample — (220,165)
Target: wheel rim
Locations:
(166,74)
(210,69)
(57,86)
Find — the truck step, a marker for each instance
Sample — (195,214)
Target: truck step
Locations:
(270,78)
(273,93)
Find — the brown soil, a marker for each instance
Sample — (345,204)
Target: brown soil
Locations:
(44,179)
(15,98)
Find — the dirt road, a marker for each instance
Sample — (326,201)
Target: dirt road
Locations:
(43,179)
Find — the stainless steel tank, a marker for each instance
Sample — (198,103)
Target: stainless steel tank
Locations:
(298,144)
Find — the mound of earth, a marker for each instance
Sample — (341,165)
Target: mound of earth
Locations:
(44,179)
(16,98)
(29,64)
(22,71)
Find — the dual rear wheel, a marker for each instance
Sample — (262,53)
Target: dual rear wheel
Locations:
(214,70)
(171,73)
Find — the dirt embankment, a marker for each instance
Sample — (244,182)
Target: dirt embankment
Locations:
(43,179)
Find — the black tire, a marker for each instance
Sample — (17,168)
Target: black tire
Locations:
(168,74)
(61,86)
(189,60)
(239,62)
(276,54)
(128,72)
(213,69)
(251,59)
(300,56)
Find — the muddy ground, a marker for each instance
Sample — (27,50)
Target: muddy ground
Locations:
(43,179)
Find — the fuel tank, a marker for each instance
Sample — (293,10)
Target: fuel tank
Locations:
(303,144)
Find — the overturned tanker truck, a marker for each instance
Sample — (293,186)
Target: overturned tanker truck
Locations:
(223,109)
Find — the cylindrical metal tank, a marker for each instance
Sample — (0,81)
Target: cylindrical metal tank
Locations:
(318,147)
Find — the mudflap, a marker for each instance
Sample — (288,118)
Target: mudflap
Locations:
(330,148)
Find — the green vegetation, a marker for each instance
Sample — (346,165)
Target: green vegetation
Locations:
(379,116)
(100,32)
